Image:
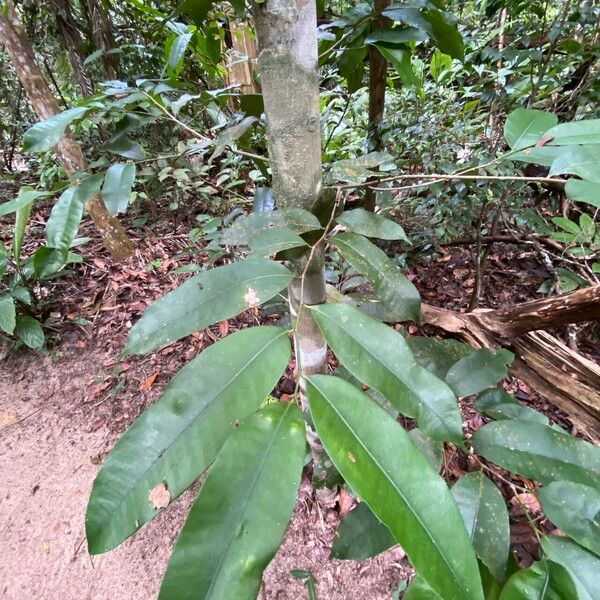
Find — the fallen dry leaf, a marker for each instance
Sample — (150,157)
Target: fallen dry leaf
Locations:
(159,496)
(346,501)
(223,328)
(148,382)
(251,298)
(6,419)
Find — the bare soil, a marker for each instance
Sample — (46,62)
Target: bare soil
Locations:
(52,440)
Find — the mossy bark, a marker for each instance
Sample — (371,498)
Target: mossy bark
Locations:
(288,58)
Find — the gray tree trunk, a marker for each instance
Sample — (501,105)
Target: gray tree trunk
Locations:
(67,150)
(288,58)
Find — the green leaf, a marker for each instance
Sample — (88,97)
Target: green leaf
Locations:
(478,371)
(45,134)
(66,214)
(420,590)
(197,10)
(542,155)
(486,518)
(26,195)
(21,220)
(47,261)
(583,191)
(510,410)
(436,24)
(575,509)
(271,241)
(399,58)
(29,331)
(432,450)
(379,356)
(583,567)
(544,580)
(437,356)
(394,289)
(231,134)
(64,220)
(117,185)
(399,486)
(204,299)
(177,50)
(393,38)
(178,437)
(583,161)
(122,145)
(238,520)
(567,225)
(370,224)
(538,452)
(8,314)
(524,127)
(296,219)
(361,535)
(439,63)
(359,169)
(586,131)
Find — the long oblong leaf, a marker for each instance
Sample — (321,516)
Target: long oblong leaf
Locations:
(178,437)
(379,356)
(486,519)
(380,463)
(371,224)
(236,524)
(538,452)
(207,298)
(544,580)
(575,509)
(361,535)
(394,289)
(43,135)
(117,186)
(586,131)
(524,127)
(582,566)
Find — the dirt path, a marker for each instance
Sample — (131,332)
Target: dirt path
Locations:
(50,449)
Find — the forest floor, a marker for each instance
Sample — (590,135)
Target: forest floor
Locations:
(61,413)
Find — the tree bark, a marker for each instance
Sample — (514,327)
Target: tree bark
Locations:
(69,33)
(101,31)
(377,83)
(287,42)
(568,379)
(68,151)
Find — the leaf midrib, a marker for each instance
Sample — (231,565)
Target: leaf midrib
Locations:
(190,424)
(249,497)
(388,369)
(375,461)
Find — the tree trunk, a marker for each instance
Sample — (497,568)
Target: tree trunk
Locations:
(67,150)
(377,83)
(568,379)
(69,33)
(101,31)
(286,34)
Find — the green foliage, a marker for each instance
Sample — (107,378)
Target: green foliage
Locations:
(176,439)
(234,528)
(207,298)
(358,435)
(483,510)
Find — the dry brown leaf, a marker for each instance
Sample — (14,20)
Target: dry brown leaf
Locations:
(148,382)
(223,328)
(159,496)
(346,501)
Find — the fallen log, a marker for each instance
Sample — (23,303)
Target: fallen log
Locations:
(568,379)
